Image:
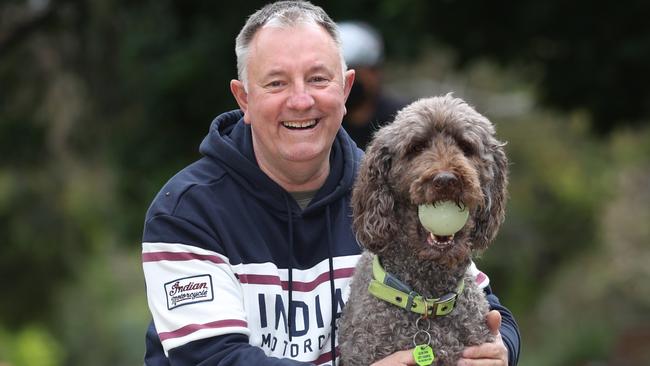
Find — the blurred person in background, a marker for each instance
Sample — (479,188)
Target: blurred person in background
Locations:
(369,106)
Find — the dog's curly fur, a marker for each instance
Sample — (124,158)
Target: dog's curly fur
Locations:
(437,149)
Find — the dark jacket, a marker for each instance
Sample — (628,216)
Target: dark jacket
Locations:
(226,250)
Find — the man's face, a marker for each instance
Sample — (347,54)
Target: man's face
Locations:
(296,94)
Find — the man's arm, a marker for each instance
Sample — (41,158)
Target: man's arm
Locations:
(509,330)
(232,349)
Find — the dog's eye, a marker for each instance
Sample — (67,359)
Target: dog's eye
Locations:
(416,148)
(467,148)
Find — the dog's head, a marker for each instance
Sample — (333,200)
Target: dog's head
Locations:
(437,149)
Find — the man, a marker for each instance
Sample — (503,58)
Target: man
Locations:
(248,252)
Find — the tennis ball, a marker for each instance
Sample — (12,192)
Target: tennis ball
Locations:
(443,218)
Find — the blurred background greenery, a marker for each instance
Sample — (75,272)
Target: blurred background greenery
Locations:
(102,101)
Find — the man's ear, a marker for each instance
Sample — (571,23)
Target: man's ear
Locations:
(349,80)
(238,91)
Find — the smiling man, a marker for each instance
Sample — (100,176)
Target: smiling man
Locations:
(248,252)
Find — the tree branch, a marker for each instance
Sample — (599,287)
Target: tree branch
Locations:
(12,36)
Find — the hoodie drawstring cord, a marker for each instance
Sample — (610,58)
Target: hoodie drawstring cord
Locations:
(332,287)
(331,277)
(290,258)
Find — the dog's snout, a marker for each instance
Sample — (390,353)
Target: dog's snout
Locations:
(445,180)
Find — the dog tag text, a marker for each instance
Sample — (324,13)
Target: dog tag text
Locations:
(423,355)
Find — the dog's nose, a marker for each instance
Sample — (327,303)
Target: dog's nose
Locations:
(445,180)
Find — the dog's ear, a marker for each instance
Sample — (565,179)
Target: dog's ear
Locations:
(490,216)
(372,200)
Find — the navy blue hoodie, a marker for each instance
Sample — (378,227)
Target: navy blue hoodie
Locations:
(226,250)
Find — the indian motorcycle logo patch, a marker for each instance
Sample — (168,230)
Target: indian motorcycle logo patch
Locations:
(189,290)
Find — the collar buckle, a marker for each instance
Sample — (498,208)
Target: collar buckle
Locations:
(445,304)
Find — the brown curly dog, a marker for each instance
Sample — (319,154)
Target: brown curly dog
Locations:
(437,149)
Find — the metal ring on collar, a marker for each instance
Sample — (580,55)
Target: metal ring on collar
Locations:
(415,344)
(422,328)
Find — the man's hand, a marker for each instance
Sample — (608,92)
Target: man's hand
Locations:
(487,354)
(400,358)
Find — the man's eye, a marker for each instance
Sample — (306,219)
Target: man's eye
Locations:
(274,84)
(319,79)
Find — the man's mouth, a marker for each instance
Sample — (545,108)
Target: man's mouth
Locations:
(300,125)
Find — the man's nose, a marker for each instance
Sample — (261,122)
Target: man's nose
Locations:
(300,97)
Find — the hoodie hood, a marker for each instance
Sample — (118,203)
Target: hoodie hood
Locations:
(230,143)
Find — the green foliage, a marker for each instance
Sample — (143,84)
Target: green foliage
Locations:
(32,345)
(557,189)
(585,55)
(102,317)
(39,250)
(573,344)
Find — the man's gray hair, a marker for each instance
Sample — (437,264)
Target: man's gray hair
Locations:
(282,14)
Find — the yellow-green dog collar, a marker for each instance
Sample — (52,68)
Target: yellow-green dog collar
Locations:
(389,288)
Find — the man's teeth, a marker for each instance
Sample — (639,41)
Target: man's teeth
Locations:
(299,124)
